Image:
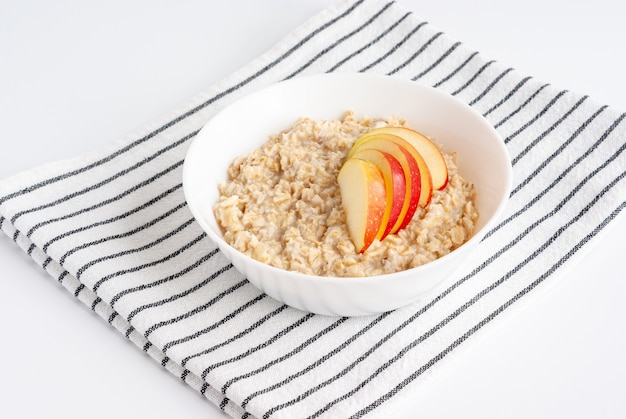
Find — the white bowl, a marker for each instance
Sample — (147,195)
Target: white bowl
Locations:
(246,124)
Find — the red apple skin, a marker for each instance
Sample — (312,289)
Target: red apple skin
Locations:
(429,151)
(363,196)
(397,147)
(395,185)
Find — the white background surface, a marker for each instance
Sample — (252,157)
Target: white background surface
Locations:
(77,75)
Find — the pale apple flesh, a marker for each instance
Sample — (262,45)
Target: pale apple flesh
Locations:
(428,150)
(395,185)
(364,200)
(410,166)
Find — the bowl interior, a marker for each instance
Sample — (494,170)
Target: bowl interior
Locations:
(246,124)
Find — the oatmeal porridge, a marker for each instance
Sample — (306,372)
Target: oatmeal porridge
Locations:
(282,206)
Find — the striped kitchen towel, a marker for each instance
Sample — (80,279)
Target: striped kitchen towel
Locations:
(113,228)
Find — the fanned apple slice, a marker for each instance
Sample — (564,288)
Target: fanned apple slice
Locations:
(430,152)
(363,197)
(380,139)
(395,185)
(415,173)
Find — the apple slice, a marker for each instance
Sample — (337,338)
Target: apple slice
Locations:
(429,151)
(395,186)
(414,177)
(365,141)
(363,197)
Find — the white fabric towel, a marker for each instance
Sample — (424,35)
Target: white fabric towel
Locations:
(113,229)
